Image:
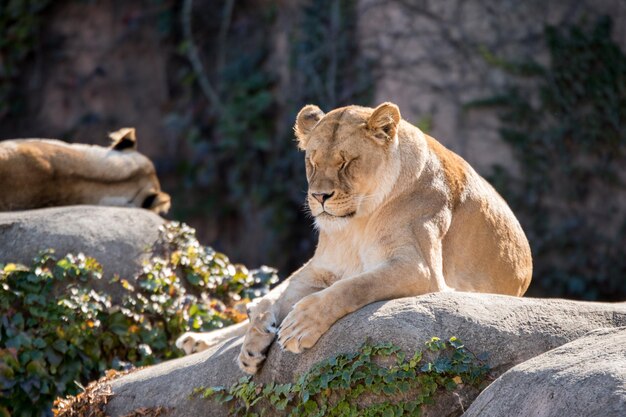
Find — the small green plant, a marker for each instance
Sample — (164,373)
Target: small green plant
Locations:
(57,333)
(194,286)
(397,385)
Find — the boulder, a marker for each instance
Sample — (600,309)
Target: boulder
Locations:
(510,330)
(119,238)
(586,377)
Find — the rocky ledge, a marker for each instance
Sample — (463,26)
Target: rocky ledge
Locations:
(510,331)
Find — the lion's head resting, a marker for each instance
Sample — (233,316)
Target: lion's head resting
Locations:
(351,160)
(141,188)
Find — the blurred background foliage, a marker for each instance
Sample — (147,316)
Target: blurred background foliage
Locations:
(20,24)
(566,124)
(57,333)
(245,168)
(214,88)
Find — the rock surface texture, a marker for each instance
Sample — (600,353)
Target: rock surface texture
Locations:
(586,377)
(119,238)
(510,330)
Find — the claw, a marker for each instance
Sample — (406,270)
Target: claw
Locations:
(257,343)
(180,342)
(284,326)
(284,342)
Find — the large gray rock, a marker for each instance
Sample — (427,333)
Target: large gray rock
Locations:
(510,330)
(119,238)
(586,377)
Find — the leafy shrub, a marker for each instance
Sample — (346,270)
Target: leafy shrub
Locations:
(57,333)
(399,385)
(565,124)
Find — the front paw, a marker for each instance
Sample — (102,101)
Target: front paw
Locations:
(306,322)
(191,342)
(257,342)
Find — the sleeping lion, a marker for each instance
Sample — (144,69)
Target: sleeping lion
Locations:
(38,173)
(398,215)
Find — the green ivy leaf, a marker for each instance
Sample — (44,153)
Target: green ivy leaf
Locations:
(338,387)
(310,406)
(388,413)
(60,345)
(282,404)
(456,343)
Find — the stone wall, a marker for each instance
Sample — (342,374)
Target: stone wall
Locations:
(98,66)
(429,60)
(102,65)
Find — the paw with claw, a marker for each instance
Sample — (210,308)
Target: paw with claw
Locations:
(257,341)
(304,325)
(191,342)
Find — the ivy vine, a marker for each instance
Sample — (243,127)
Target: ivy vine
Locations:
(396,384)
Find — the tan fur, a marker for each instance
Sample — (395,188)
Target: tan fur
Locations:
(38,173)
(454,169)
(398,215)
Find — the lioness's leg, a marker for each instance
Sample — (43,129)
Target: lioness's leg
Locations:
(192,342)
(266,316)
(313,315)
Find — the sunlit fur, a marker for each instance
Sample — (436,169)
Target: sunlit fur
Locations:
(342,156)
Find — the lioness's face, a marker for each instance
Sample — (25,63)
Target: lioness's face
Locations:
(140,189)
(350,160)
(149,195)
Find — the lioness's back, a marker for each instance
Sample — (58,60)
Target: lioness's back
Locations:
(485,249)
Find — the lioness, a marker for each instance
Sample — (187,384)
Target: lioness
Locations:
(398,215)
(38,173)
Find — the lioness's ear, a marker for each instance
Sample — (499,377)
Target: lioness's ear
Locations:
(123,138)
(306,119)
(384,121)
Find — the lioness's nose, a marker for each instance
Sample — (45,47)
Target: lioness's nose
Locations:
(322,197)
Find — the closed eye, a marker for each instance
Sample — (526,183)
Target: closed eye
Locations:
(346,163)
(148,201)
(310,167)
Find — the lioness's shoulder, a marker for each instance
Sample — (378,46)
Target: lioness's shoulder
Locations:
(455,169)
